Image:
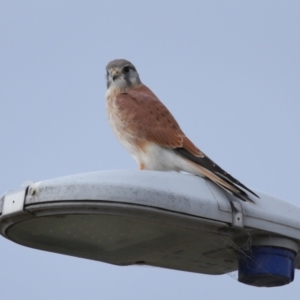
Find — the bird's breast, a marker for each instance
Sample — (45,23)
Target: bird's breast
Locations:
(122,129)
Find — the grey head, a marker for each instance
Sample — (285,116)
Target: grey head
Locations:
(121,73)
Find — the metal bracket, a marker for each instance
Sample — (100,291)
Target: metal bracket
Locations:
(237,214)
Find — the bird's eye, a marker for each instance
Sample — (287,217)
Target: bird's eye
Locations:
(126,70)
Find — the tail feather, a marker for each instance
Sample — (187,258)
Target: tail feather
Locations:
(212,171)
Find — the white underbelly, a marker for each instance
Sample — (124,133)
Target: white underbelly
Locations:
(160,158)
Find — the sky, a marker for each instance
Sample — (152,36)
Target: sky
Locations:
(229,71)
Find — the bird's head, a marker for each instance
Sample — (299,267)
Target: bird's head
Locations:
(121,73)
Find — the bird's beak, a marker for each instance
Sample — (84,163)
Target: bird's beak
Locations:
(115,74)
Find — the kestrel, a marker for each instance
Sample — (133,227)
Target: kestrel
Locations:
(150,133)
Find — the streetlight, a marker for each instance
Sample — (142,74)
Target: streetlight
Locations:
(167,220)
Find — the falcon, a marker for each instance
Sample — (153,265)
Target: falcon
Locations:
(150,133)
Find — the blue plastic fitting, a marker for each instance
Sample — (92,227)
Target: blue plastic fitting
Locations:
(266,266)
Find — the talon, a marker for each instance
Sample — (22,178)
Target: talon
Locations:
(142,166)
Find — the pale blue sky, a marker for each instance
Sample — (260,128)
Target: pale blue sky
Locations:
(229,71)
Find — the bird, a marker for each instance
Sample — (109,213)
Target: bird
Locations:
(150,133)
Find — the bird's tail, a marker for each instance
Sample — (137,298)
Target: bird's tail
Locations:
(205,167)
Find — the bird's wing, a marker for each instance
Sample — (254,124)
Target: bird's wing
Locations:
(148,118)
(146,115)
